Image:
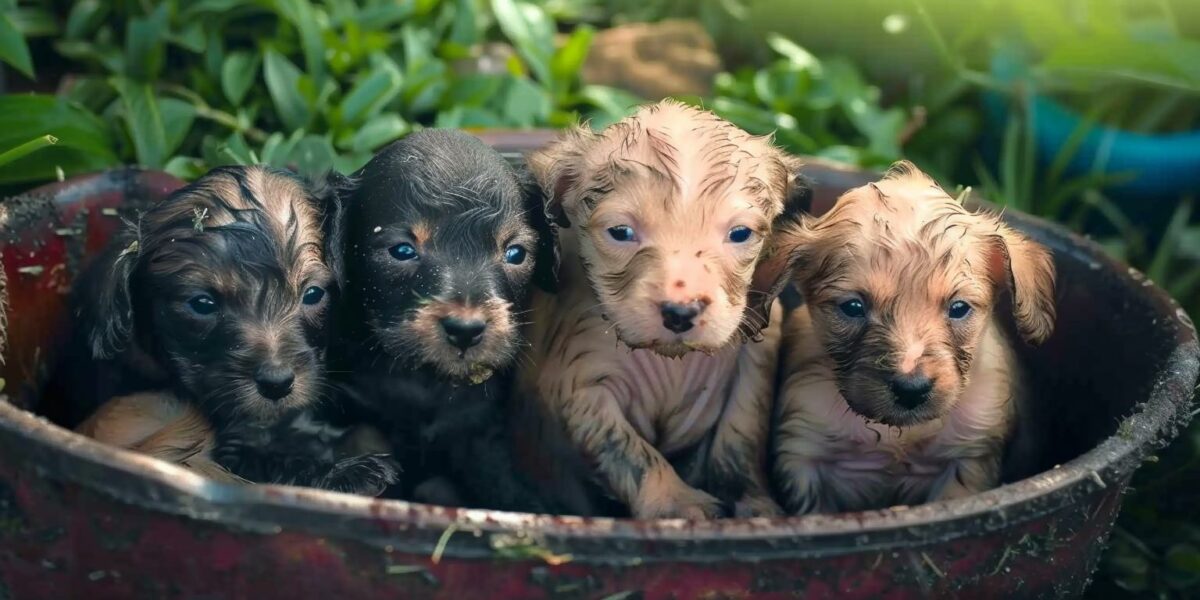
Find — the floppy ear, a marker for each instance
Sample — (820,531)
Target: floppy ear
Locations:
(545,270)
(558,169)
(1026,269)
(331,193)
(775,266)
(105,300)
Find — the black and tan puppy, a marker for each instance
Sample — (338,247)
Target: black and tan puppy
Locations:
(439,244)
(212,311)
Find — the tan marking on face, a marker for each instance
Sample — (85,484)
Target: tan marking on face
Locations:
(421,232)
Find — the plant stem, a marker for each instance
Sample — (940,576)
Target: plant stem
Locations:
(31,146)
(204,111)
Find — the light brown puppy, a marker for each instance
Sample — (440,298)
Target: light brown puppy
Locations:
(666,268)
(899,385)
(158,424)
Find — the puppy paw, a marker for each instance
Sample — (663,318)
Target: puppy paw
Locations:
(756,506)
(680,501)
(366,475)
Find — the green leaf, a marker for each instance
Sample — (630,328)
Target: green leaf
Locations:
(463,31)
(472,90)
(612,103)
(237,74)
(36,22)
(569,59)
(237,150)
(277,149)
(531,32)
(798,56)
(303,17)
(83,144)
(186,168)
(85,17)
(191,37)
(283,84)
(372,92)
(145,47)
(524,103)
(378,131)
(144,120)
(37,143)
(13,49)
(314,155)
(178,117)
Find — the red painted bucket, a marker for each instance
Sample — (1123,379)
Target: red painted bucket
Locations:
(79,519)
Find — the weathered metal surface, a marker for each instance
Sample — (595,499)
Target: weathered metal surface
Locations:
(78,519)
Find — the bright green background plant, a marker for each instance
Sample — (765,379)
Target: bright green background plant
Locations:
(184,85)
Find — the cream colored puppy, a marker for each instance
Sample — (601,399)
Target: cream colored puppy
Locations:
(899,383)
(639,360)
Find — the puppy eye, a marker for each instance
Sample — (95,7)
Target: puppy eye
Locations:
(959,310)
(202,304)
(855,309)
(622,233)
(313,296)
(403,251)
(740,234)
(515,254)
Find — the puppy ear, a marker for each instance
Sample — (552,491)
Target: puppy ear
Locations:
(545,270)
(775,266)
(105,298)
(798,195)
(558,169)
(331,193)
(1026,269)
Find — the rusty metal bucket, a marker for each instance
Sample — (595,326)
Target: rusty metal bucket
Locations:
(80,519)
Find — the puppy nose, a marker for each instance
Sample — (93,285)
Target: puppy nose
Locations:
(677,316)
(463,333)
(274,381)
(912,389)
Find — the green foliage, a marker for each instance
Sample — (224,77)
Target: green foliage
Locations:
(84,141)
(184,85)
(814,106)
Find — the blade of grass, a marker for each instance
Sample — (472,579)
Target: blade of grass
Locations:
(24,149)
(1069,148)
(1009,149)
(1183,286)
(988,184)
(1062,193)
(1170,240)
(1029,154)
(1094,200)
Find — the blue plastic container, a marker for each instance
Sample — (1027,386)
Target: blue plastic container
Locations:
(1165,165)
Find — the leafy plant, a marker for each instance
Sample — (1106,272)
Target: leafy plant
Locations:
(309,84)
(822,107)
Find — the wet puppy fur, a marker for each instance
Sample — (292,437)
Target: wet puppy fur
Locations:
(667,221)
(440,242)
(673,209)
(902,347)
(220,296)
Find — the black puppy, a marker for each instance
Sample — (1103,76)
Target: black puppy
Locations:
(217,303)
(440,241)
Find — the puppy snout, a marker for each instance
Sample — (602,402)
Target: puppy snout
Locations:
(911,389)
(274,381)
(463,333)
(678,316)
